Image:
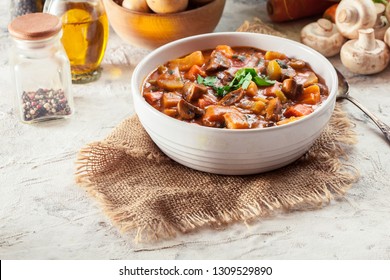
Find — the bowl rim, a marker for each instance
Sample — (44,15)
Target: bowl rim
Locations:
(173,15)
(137,92)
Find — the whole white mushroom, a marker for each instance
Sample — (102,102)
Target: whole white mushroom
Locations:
(352,15)
(323,36)
(365,55)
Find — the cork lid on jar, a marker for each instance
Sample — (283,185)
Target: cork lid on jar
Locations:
(35,26)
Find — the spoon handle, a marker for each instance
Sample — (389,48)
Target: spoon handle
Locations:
(382,126)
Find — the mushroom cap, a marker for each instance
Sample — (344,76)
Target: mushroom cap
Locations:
(323,36)
(361,61)
(188,111)
(387,12)
(387,37)
(381,24)
(381,28)
(352,15)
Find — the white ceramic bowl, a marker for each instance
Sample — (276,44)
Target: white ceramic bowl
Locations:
(226,151)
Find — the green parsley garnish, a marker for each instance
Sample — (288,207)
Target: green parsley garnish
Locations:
(242,79)
(208,81)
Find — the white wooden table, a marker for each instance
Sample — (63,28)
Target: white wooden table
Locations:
(45,215)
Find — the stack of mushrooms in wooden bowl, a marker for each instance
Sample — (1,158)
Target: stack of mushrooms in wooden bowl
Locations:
(358,30)
(153,23)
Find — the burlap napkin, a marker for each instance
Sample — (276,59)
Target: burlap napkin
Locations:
(144,192)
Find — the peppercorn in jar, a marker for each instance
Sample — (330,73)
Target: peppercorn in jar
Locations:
(40,68)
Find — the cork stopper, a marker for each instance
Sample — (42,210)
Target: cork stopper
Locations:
(35,26)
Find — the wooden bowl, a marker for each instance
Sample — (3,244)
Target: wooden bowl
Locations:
(150,30)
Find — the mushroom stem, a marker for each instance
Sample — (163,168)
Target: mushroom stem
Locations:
(324,27)
(348,15)
(366,39)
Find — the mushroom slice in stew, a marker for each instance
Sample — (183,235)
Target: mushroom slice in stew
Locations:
(188,111)
(297,64)
(306,78)
(232,97)
(292,89)
(273,110)
(192,91)
(218,61)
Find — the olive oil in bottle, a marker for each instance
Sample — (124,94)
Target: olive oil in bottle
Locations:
(85,35)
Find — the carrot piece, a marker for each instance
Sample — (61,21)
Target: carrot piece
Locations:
(170,99)
(298,110)
(226,50)
(153,96)
(214,115)
(285,10)
(193,73)
(216,112)
(330,13)
(311,95)
(271,90)
(235,120)
(204,102)
(207,100)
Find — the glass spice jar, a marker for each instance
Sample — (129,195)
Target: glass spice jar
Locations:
(41,68)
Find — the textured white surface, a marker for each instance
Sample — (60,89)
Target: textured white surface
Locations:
(45,215)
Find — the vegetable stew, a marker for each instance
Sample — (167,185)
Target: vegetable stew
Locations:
(235,88)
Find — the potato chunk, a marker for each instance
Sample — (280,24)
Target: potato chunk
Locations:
(185,63)
(273,110)
(311,95)
(274,71)
(170,99)
(170,80)
(270,55)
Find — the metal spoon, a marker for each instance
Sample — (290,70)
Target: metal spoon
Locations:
(343,93)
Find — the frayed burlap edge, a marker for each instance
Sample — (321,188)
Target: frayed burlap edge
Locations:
(332,153)
(258,26)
